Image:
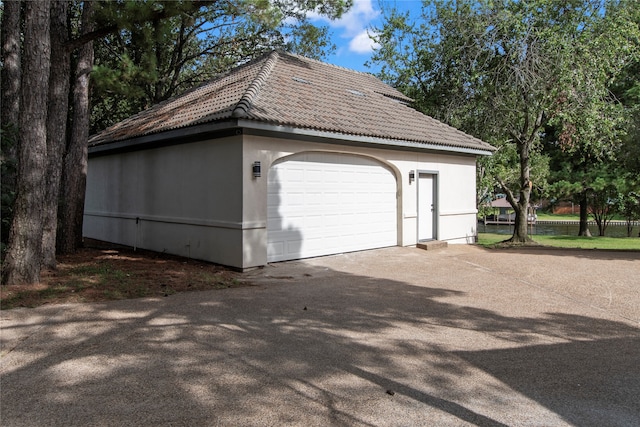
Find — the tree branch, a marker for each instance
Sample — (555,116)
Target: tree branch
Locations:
(510,197)
(155,16)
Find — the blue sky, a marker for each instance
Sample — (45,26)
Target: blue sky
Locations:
(349,33)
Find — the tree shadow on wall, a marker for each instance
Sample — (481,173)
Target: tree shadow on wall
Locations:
(284,241)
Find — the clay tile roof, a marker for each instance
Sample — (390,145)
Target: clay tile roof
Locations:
(293,91)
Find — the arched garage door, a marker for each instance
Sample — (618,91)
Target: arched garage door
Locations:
(328,203)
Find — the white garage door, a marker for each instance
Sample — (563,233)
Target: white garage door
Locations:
(328,203)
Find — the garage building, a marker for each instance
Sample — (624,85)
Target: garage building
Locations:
(281,158)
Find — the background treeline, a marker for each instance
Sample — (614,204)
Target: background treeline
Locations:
(555,85)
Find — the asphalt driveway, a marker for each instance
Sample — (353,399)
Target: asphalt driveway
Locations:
(391,337)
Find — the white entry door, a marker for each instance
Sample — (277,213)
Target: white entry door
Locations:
(426,206)
(328,203)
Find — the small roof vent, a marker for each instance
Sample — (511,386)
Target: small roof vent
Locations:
(301,80)
(355,92)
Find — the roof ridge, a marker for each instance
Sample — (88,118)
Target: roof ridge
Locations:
(401,97)
(328,64)
(240,110)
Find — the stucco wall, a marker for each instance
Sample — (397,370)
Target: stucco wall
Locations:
(456,193)
(201,200)
(182,199)
(455,176)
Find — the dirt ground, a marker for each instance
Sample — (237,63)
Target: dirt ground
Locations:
(102,272)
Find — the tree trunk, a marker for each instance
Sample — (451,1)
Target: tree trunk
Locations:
(599,225)
(56,125)
(520,228)
(9,108)
(521,206)
(75,162)
(22,264)
(584,216)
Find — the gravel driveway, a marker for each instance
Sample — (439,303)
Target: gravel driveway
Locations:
(391,337)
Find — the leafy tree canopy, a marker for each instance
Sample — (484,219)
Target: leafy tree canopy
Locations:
(162,48)
(508,72)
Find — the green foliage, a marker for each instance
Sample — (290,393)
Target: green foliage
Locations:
(590,119)
(310,41)
(164,48)
(488,69)
(629,208)
(517,74)
(628,200)
(593,137)
(504,163)
(610,191)
(603,200)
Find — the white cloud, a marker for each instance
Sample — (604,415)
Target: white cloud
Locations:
(362,43)
(357,18)
(354,25)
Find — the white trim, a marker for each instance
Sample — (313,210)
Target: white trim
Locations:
(234,225)
(424,212)
(250,124)
(465,212)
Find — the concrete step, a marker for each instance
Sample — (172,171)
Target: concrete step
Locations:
(432,244)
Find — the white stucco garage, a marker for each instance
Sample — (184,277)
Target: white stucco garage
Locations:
(282,158)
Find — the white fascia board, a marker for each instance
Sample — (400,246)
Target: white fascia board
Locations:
(251,124)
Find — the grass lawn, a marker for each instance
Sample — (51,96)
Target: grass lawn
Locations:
(542,216)
(627,243)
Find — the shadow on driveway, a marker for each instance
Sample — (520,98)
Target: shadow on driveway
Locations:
(320,348)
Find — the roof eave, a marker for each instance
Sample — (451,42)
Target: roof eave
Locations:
(235,127)
(170,137)
(369,140)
